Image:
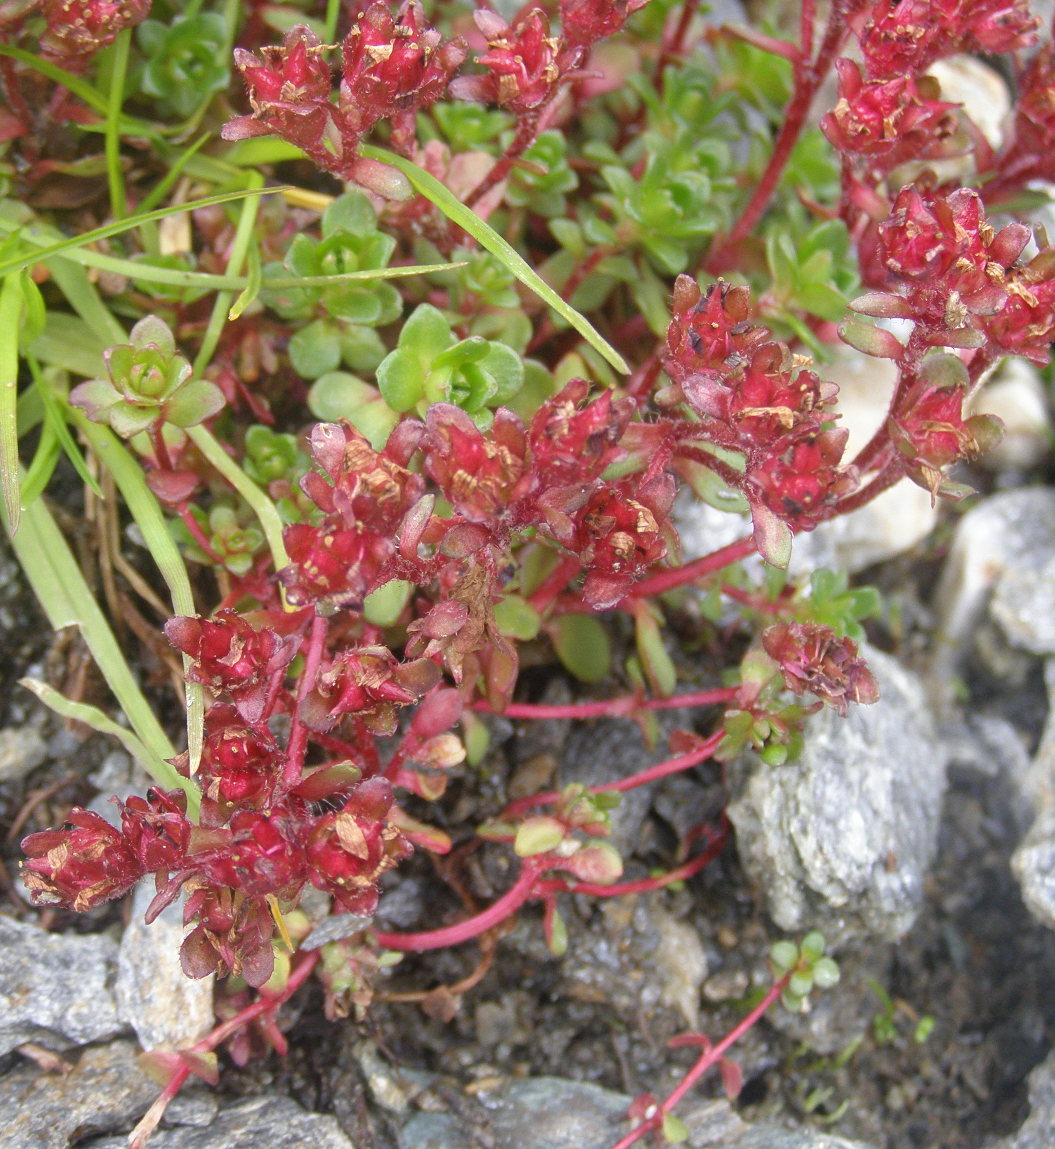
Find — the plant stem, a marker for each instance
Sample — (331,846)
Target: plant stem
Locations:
(808,78)
(651,774)
(521,890)
(266,1003)
(611,707)
(298,735)
(710,1056)
(665,580)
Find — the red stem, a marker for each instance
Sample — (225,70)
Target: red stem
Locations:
(611,707)
(644,885)
(298,735)
(266,1003)
(517,894)
(710,1056)
(661,770)
(808,78)
(666,580)
(555,582)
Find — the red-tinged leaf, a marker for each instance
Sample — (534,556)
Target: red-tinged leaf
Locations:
(869,339)
(327,781)
(882,305)
(732,1078)
(420,833)
(203,1065)
(698,1040)
(437,714)
(772,536)
(160,1065)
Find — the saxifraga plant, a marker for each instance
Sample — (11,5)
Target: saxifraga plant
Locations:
(490,469)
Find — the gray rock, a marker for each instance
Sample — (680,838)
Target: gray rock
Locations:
(22,749)
(1018,395)
(433,1131)
(552,1113)
(1033,862)
(274,1122)
(55,990)
(1010,536)
(106,1092)
(1036,1131)
(770,1137)
(841,839)
(604,751)
(166,1008)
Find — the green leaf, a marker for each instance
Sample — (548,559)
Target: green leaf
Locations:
(10,315)
(582,645)
(435,192)
(538,835)
(674,1129)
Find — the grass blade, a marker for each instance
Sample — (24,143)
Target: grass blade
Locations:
(485,235)
(10,313)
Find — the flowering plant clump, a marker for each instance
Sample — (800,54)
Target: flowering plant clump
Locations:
(428,407)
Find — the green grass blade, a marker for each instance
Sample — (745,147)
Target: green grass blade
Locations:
(144,508)
(57,429)
(435,192)
(10,314)
(254,278)
(95,719)
(59,585)
(112,139)
(16,263)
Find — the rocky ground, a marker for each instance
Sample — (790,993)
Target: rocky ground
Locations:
(918,834)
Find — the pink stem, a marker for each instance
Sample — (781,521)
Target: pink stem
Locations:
(517,894)
(555,582)
(683,872)
(612,707)
(642,778)
(808,78)
(266,1003)
(709,1057)
(298,735)
(665,580)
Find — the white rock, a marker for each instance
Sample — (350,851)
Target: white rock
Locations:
(1017,396)
(981,90)
(167,1009)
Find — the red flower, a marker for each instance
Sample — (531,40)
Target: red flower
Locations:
(393,64)
(233,935)
(231,657)
(258,854)
(370,490)
(803,485)
(889,121)
(80,867)
(350,850)
(82,27)
(331,568)
(619,534)
(709,330)
(477,474)
(761,402)
(157,830)
(289,89)
(525,65)
(1025,325)
(814,658)
(572,441)
(930,432)
(1031,151)
(584,22)
(905,37)
(371,683)
(240,766)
